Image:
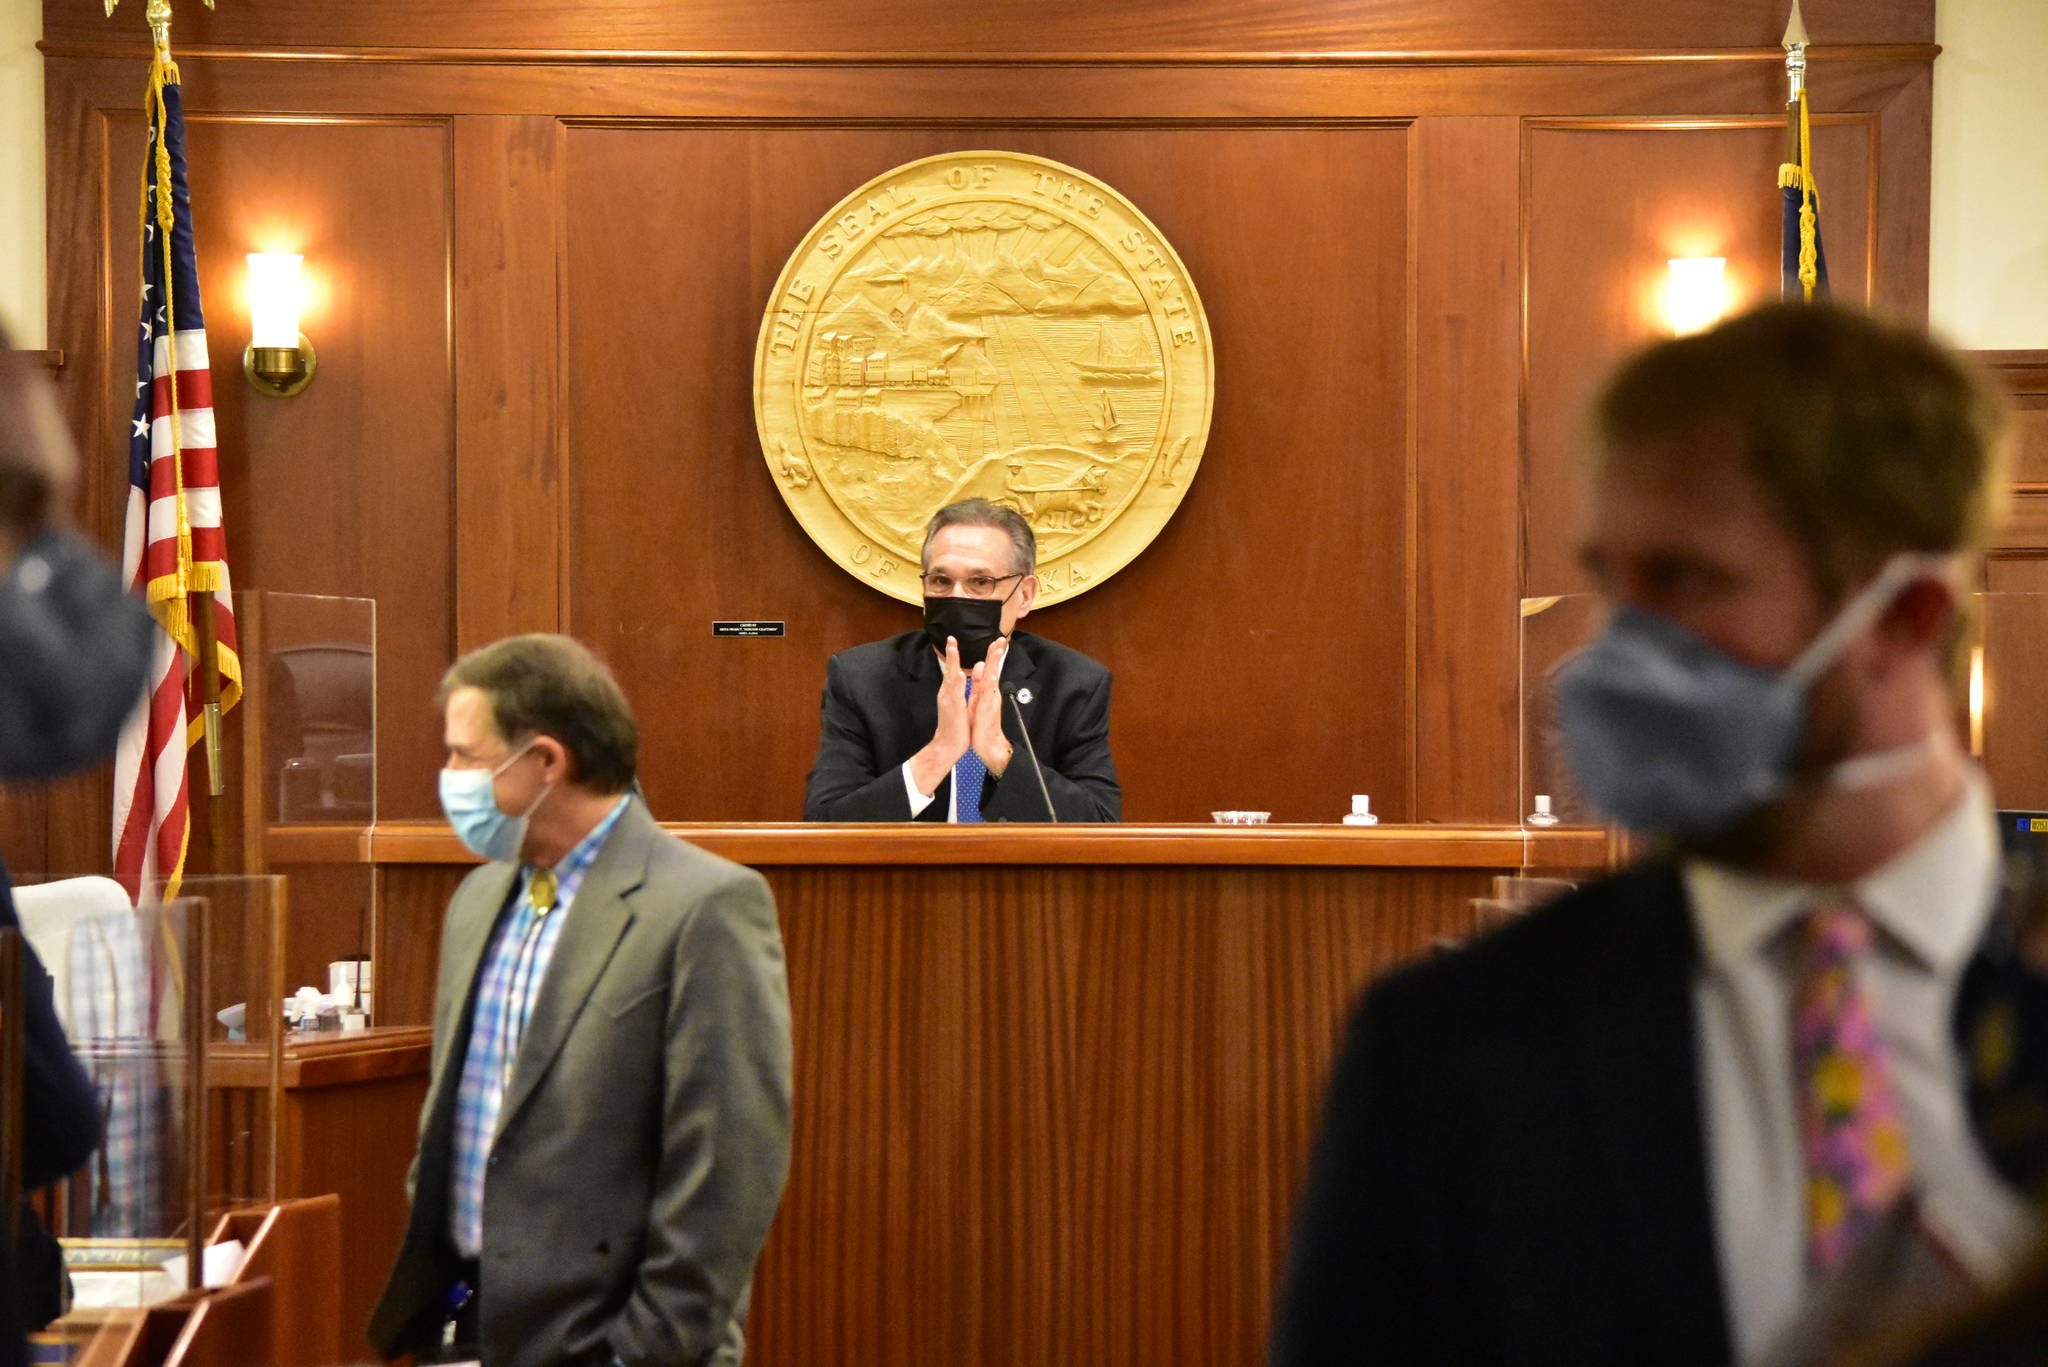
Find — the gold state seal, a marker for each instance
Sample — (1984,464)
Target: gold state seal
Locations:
(984,324)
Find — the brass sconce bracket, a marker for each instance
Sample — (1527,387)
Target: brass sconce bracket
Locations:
(280,371)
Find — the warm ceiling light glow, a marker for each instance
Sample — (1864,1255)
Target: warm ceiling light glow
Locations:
(276,289)
(1696,294)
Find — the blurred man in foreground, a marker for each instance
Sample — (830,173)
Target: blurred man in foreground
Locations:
(606,1130)
(73,649)
(1676,1116)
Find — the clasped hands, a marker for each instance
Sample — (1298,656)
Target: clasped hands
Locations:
(965,723)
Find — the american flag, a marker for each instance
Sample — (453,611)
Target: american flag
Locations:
(174,549)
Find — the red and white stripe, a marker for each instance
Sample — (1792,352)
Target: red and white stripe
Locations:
(152,812)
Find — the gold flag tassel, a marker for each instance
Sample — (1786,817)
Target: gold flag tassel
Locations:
(1797,173)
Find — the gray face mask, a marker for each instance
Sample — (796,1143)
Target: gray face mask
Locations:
(1665,733)
(74,649)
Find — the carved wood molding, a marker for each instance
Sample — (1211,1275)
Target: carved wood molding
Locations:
(2023,373)
(1477,57)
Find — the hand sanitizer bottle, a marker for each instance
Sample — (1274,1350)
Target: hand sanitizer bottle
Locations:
(1542,816)
(1361,811)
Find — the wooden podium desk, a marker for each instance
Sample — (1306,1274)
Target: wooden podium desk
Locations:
(1055,1086)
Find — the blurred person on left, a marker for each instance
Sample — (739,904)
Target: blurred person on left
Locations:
(73,650)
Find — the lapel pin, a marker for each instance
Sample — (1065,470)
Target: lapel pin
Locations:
(1023,695)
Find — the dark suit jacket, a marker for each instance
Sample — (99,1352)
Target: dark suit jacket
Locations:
(1513,1166)
(62,1129)
(882,705)
(644,1137)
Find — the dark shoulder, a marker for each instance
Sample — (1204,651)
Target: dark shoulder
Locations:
(1635,917)
(1070,666)
(875,657)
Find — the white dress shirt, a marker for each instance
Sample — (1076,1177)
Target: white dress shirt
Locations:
(920,801)
(1929,907)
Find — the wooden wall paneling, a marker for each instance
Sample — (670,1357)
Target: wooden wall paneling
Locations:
(1465,429)
(398,83)
(2024,375)
(1282,569)
(345,488)
(1900,180)
(1063,1118)
(411,902)
(2014,631)
(507,482)
(1606,204)
(1004,27)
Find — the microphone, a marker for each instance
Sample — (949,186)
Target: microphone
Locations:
(1010,692)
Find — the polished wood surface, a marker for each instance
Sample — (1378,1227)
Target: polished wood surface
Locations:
(1055,1087)
(1059,1114)
(295,1246)
(816,843)
(346,1121)
(794,28)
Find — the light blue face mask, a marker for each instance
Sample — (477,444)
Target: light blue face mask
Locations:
(470,801)
(1667,734)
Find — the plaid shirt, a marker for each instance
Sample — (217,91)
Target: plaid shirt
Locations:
(514,967)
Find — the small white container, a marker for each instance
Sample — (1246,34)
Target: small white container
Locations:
(1542,816)
(352,984)
(1361,811)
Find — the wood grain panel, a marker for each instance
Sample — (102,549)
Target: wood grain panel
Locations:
(1605,208)
(1465,420)
(1011,26)
(1506,848)
(2015,639)
(1300,498)
(1060,1118)
(346,488)
(2024,376)
(507,487)
(997,95)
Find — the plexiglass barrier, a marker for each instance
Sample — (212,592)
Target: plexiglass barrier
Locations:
(319,709)
(130,986)
(1552,628)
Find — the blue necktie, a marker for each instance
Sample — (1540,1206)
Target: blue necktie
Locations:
(968,773)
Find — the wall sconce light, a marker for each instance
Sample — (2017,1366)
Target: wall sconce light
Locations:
(278,360)
(1977,701)
(1696,295)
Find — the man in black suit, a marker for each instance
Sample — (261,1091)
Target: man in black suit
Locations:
(1659,1120)
(917,727)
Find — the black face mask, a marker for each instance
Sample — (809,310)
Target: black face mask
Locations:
(976,623)
(74,650)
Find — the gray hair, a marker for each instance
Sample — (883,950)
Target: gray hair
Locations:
(979,512)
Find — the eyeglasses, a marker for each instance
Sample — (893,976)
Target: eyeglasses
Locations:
(938,584)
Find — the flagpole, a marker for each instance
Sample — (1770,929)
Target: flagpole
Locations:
(1795,78)
(158,15)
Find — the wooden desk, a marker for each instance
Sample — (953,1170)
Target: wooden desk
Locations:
(1055,1086)
(348,1111)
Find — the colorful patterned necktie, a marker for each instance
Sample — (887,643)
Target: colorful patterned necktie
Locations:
(968,773)
(1850,1133)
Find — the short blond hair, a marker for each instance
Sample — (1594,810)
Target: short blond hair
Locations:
(1868,437)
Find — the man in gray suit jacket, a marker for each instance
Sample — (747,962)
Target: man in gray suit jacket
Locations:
(606,1131)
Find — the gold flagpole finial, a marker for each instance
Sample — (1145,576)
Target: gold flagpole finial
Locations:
(1794,43)
(158,13)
